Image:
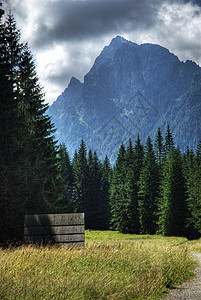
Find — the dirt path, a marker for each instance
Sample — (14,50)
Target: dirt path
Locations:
(190,290)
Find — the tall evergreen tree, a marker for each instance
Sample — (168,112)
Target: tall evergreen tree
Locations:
(105,186)
(118,193)
(159,148)
(13,160)
(94,202)
(138,163)
(173,205)
(131,205)
(75,156)
(41,150)
(66,171)
(169,143)
(30,181)
(148,191)
(134,158)
(139,156)
(81,176)
(188,163)
(194,194)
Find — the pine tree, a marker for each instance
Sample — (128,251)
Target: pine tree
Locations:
(169,143)
(188,160)
(159,148)
(29,171)
(41,145)
(118,193)
(148,191)
(138,163)
(131,205)
(134,158)
(105,186)
(93,209)
(66,171)
(194,194)
(74,159)
(139,156)
(81,176)
(173,206)
(13,160)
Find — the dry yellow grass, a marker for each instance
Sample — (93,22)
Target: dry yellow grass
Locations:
(194,245)
(112,266)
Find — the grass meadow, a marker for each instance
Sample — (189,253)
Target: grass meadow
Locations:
(111,266)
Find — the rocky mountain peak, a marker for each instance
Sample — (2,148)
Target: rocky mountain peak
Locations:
(110,50)
(131,89)
(74,82)
(117,41)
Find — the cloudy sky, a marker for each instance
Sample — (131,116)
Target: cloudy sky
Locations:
(65,36)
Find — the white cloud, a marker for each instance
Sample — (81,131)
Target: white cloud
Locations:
(66,36)
(178,28)
(181,25)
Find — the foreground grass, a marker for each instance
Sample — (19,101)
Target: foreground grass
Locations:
(112,266)
(194,246)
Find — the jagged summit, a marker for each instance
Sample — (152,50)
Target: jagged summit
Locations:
(131,89)
(117,41)
(74,82)
(109,51)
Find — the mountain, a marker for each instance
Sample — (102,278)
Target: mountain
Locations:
(131,89)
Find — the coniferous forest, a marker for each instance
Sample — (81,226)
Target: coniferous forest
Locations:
(151,188)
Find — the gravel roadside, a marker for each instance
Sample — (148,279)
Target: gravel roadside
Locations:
(190,290)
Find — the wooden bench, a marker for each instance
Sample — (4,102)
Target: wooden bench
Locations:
(66,229)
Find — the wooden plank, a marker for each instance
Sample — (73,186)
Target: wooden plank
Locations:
(55,238)
(54,219)
(53,230)
(65,229)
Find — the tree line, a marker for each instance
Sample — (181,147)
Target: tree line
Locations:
(150,189)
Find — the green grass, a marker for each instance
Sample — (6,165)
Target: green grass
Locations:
(112,266)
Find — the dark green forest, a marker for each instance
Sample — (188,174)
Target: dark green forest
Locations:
(152,188)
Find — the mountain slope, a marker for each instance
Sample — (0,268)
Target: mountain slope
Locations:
(130,89)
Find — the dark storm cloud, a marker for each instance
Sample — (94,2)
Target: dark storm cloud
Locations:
(66,36)
(75,20)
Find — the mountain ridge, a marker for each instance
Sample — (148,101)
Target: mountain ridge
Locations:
(131,89)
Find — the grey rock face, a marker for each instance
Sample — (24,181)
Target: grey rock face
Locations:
(131,89)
